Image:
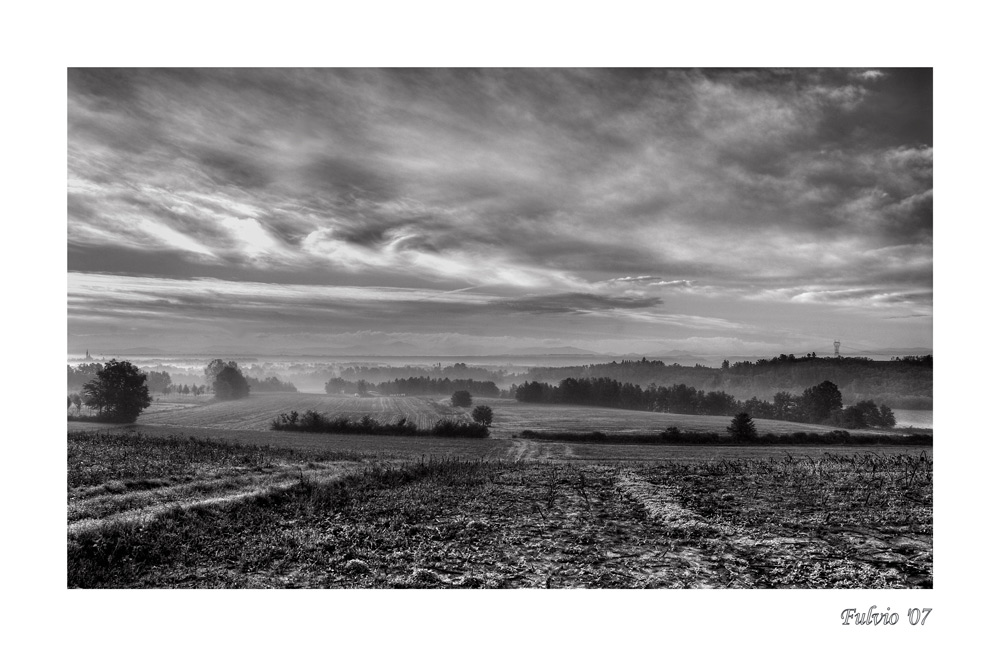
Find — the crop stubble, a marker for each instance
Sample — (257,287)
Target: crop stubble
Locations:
(858,520)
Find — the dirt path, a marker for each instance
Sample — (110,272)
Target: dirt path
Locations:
(661,504)
(522,449)
(92,508)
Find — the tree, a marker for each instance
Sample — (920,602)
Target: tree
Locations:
(119,392)
(362,387)
(819,402)
(784,405)
(215,367)
(461,399)
(230,384)
(483,414)
(158,382)
(742,428)
(887,418)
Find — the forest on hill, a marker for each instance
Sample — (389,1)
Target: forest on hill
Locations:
(904,383)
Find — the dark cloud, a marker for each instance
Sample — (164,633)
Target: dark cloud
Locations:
(347,177)
(232,168)
(573,303)
(115,86)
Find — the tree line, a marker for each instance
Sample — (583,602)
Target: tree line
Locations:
(821,403)
(388,374)
(119,391)
(905,382)
(414,386)
(159,382)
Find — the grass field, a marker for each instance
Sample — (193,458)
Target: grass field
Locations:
(257,411)
(509,416)
(341,520)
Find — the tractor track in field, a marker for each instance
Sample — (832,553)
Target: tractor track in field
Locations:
(93,508)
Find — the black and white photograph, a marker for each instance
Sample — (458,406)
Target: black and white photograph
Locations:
(543,328)
(492,328)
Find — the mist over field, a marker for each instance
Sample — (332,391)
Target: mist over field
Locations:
(310,374)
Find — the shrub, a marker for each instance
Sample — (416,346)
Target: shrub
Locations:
(314,422)
(483,414)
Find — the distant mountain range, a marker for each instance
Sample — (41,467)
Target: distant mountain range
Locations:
(404,349)
(138,350)
(551,350)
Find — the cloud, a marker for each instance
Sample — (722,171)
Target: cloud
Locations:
(553,189)
(637,280)
(685,284)
(870,297)
(870,74)
(573,303)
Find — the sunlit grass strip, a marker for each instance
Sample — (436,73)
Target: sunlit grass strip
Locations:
(674,436)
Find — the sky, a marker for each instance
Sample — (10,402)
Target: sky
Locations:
(465,211)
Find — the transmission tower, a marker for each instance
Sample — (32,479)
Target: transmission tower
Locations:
(836,349)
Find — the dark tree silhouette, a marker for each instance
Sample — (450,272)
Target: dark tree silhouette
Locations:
(461,398)
(230,384)
(819,402)
(742,428)
(215,367)
(119,392)
(483,414)
(886,416)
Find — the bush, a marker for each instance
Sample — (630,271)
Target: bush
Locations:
(453,428)
(314,422)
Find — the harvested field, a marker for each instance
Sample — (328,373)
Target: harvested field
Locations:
(858,521)
(131,477)
(497,447)
(257,411)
